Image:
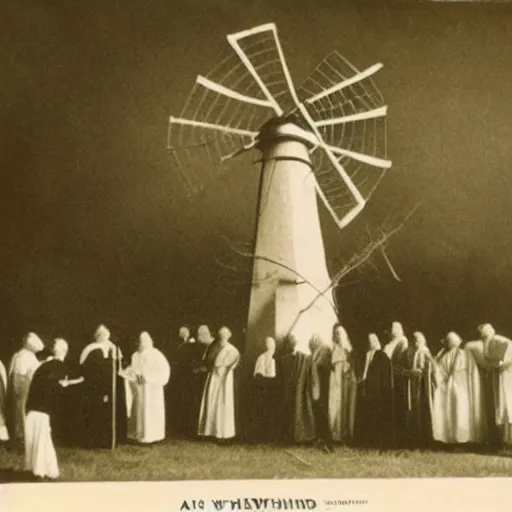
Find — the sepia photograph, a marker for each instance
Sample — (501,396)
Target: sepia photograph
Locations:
(255,240)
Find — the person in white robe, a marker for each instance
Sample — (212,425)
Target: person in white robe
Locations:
(343,387)
(217,415)
(498,355)
(487,373)
(4,434)
(23,365)
(457,406)
(43,396)
(148,374)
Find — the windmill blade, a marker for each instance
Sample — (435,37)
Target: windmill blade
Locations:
(346,112)
(221,119)
(259,49)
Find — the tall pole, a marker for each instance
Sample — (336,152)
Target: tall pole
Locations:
(114,398)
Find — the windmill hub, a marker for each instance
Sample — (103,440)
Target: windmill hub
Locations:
(286,128)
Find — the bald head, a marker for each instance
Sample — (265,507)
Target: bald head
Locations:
(60,349)
(184,333)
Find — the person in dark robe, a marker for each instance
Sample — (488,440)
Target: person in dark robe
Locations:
(187,385)
(294,371)
(100,364)
(67,422)
(321,367)
(44,394)
(264,420)
(419,378)
(396,350)
(211,349)
(374,413)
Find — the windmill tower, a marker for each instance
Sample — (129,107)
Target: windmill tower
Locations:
(325,140)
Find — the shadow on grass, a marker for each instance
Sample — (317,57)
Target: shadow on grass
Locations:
(11,475)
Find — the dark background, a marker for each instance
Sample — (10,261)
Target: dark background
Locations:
(95,227)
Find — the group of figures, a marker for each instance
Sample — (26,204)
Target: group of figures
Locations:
(105,402)
(397,395)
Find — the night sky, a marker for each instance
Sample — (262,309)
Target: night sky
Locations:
(95,227)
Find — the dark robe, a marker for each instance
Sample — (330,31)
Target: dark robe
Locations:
(45,392)
(374,413)
(68,417)
(400,397)
(297,418)
(321,374)
(263,423)
(188,384)
(98,393)
(419,384)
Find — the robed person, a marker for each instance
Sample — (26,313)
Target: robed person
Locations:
(4,434)
(45,392)
(457,407)
(419,376)
(294,373)
(487,370)
(498,354)
(148,374)
(264,420)
(23,365)
(395,349)
(217,414)
(375,401)
(105,405)
(188,383)
(342,387)
(320,382)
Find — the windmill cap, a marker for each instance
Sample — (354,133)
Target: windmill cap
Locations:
(284,128)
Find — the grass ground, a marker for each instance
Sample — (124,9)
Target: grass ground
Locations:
(185,460)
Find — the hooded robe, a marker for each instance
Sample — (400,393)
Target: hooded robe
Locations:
(147,375)
(342,395)
(457,406)
(23,365)
(298,422)
(374,415)
(100,361)
(264,420)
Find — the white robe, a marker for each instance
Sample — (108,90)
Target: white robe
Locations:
(146,415)
(457,405)
(265,365)
(4,435)
(217,416)
(499,350)
(23,365)
(40,455)
(342,396)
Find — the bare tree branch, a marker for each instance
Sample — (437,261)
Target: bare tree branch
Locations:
(354,263)
(391,269)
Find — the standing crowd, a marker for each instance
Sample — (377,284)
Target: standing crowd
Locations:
(398,395)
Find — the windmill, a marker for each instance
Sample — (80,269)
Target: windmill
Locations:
(325,140)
